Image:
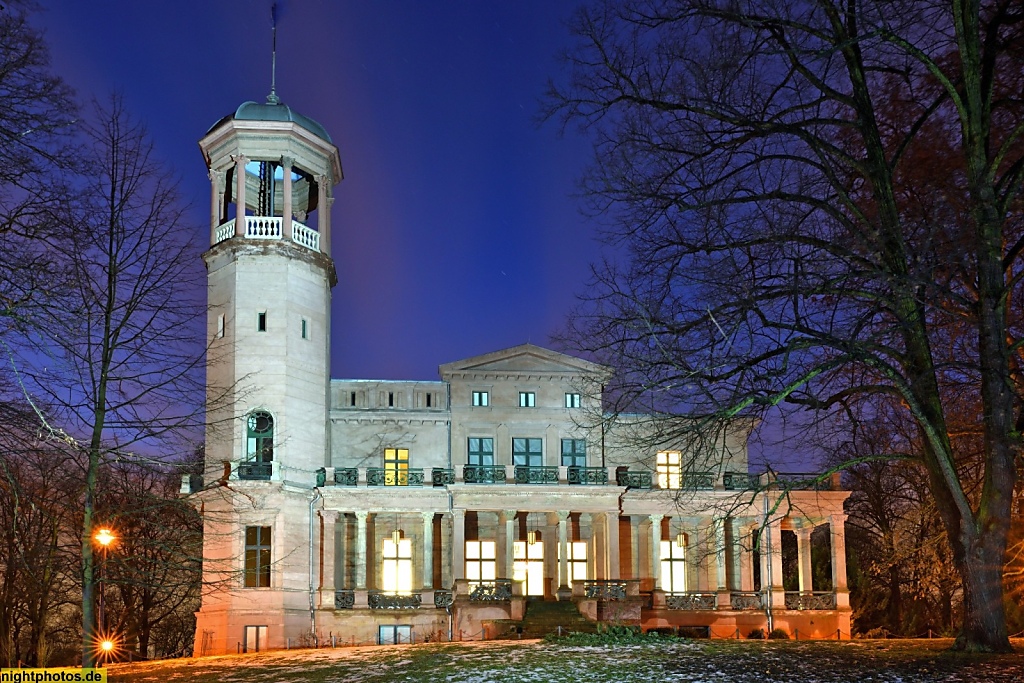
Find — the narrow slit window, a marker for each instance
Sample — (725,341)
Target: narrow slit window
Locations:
(261,321)
(305,329)
(352,399)
(391,399)
(220,326)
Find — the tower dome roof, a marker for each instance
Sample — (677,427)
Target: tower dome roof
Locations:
(274,111)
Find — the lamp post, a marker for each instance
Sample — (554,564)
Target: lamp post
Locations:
(104,537)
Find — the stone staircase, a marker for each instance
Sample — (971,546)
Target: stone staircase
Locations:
(544,617)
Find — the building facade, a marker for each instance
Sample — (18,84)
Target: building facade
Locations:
(389,511)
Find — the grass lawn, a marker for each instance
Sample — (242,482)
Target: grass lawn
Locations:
(718,661)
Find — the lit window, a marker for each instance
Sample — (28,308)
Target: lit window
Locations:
(673,567)
(260,437)
(261,321)
(528,452)
(668,466)
(397,574)
(481,398)
(257,557)
(528,565)
(574,452)
(481,566)
(396,466)
(481,451)
(527,399)
(572,400)
(577,560)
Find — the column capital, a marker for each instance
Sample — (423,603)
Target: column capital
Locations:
(361,515)
(240,159)
(509,514)
(459,513)
(803,532)
(562,515)
(428,517)
(287,161)
(838,519)
(655,519)
(329,515)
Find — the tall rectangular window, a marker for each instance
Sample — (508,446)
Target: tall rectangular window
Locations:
(481,566)
(572,400)
(574,452)
(673,567)
(396,466)
(396,576)
(261,321)
(669,469)
(257,557)
(527,399)
(577,561)
(481,398)
(528,452)
(481,451)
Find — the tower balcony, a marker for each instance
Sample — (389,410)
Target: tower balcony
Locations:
(269,228)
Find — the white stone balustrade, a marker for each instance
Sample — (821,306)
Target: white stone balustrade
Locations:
(270,228)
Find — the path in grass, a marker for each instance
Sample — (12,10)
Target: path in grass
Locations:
(717,661)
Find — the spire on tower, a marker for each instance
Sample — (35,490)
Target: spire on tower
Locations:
(272,98)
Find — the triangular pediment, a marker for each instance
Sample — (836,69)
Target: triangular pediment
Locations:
(525,359)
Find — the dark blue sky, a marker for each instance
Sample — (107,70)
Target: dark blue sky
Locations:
(455,229)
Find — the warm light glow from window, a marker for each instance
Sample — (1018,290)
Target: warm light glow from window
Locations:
(480,561)
(668,469)
(577,561)
(397,574)
(673,567)
(528,566)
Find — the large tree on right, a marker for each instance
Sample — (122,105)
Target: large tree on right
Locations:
(816,203)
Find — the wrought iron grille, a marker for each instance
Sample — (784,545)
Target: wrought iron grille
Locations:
(393,601)
(634,480)
(321,477)
(811,601)
(497,591)
(255,470)
(701,481)
(381,476)
(536,475)
(483,474)
(442,598)
(346,476)
(594,476)
(691,601)
(442,477)
(604,590)
(745,600)
(740,481)
(805,482)
(344,599)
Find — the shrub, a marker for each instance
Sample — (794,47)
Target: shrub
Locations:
(778,634)
(756,634)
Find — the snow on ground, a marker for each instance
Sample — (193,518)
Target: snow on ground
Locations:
(718,661)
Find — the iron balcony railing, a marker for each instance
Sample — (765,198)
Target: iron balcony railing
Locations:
(592,476)
(344,599)
(536,475)
(805,481)
(483,474)
(745,600)
(382,476)
(740,481)
(700,481)
(378,600)
(604,589)
(346,476)
(442,477)
(817,600)
(260,471)
(634,480)
(691,601)
(499,590)
(442,598)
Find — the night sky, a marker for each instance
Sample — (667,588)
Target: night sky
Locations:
(456,231)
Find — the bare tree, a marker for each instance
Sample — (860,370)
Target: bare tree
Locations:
(819,204)
(121,356)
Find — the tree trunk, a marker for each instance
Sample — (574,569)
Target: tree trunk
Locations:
(984,621)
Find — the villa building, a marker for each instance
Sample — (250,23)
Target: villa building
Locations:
(364,511)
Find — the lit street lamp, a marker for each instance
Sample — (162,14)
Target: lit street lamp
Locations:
(104,537)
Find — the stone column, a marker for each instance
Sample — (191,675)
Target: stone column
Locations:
(360,554)
(634,542)
(724,599)
(459,543)
(286,208)
(328,557)
(240,161)
(563,550)
(216,178)
(612,543)
(506,552)
(777,591)
(837,527)
(656,550)
(323,212)
(428,550)
(803,552)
